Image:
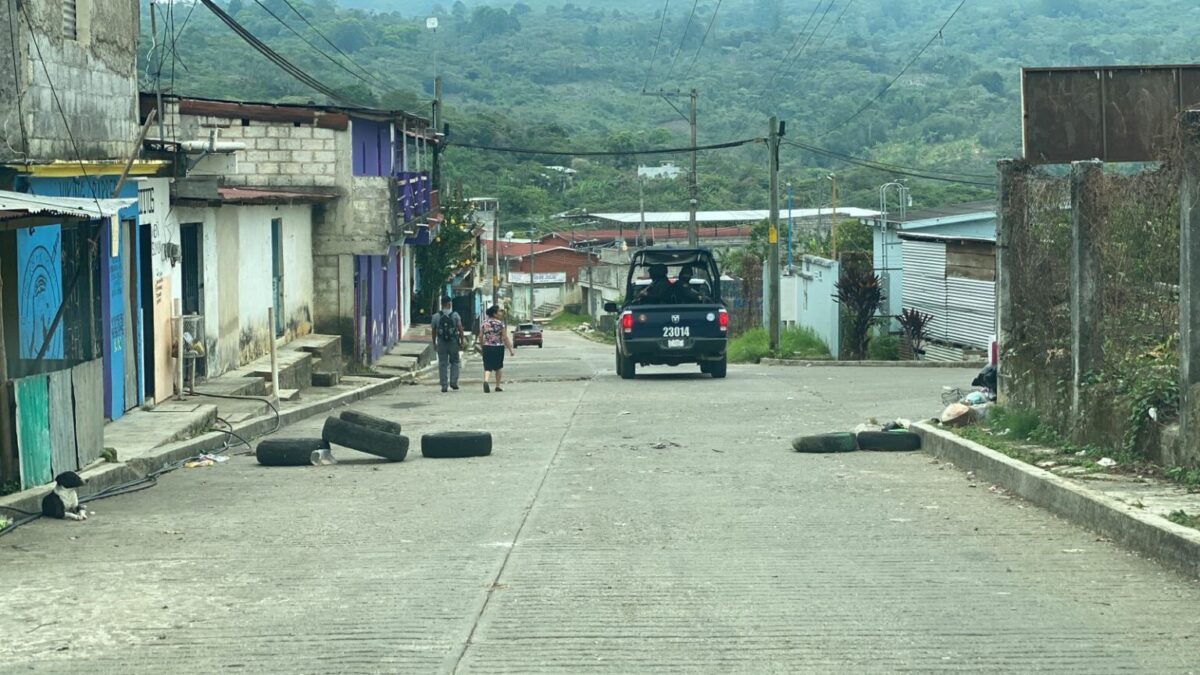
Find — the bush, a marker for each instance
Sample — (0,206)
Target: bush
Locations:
(884,347)
(1019,424)
(754,345)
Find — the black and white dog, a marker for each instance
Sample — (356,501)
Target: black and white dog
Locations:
(63,502)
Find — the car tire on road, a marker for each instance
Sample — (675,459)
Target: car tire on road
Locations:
(392,447)
(371,421)
(456,444)
(718,368)
(826,443)
(889,441)
(626,367)
(287,451)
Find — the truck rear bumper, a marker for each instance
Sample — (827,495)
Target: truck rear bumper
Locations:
(655,351)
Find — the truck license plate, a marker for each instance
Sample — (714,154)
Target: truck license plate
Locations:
(675,344)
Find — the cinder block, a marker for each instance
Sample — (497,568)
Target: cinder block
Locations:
(291,143)
(257,156)
(302,156)
(268,168)
(324,157)
(291,168)
(312,145)
(266,144)
(324,180)
(247,167)
(279,155)
(275,131)
(253,131)
(302,132)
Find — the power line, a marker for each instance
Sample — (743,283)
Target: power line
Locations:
(841,155)
(808,41)
(335,47)
(658,41)
(314,47)
(682,38)
(883,91)
(12,30)
(704,39)
(892,169)
(606,153)
(285,65)
(834,25)
(788,54)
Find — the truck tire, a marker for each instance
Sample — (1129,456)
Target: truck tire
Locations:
(287,451)
(370,421)
(626,367)
(456,444)
(717,368)
(826,443)
(889,441)
(392,447)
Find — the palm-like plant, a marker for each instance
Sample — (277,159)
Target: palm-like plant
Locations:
(915,323)
(861,296)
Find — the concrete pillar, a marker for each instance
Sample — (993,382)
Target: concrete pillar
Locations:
(1189,291)
(1087,307)
(1010,217)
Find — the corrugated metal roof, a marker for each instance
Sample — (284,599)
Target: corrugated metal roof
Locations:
(743,216)
(963,310)
(71,207)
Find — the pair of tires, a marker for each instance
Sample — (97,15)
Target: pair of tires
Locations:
(373,434)
(354,430)
(878,441)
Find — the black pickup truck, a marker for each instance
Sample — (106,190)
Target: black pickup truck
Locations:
(673,312)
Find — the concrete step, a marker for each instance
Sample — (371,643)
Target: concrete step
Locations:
(168,422)
(422,351)
(295,369)
(397,362)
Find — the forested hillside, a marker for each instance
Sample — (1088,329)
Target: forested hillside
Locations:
(870,78)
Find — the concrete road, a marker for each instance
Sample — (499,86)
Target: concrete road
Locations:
(658,525)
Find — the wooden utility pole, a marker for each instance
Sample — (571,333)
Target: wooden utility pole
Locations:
(833,216)
(496,256)
(773,312)
(693,183)
(437,126)
(693,186)
(641,238)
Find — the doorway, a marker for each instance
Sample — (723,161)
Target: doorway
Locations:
(148,288)
(277,273)
(191,269)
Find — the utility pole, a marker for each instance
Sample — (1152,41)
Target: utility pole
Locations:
(496,257)
(693,187)
(773,237)
(437,117)
(833,215)
(693,184)
(641,238)
(531,276)
(790,225)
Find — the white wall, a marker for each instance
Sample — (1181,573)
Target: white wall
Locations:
(166,280)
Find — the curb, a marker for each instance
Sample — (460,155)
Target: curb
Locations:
(1153,536)
(105,476)
(873,364)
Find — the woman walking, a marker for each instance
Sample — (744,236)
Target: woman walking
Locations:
(493,336)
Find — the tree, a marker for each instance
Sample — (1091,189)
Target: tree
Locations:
(349,35)
(861,296)
(235,6)
(450,251)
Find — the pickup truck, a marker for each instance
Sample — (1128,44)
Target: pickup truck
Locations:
(672,312)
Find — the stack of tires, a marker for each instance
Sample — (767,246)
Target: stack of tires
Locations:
(374,436)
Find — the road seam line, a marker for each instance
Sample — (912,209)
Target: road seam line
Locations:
(520,529)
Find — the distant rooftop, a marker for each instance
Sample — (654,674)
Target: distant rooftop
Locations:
(747,216)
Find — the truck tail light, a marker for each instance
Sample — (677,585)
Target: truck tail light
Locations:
(627,322)
(723,320)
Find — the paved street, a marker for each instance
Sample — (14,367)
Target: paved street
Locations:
(581,546)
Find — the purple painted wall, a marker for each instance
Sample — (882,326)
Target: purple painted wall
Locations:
(378,312)
(372,147)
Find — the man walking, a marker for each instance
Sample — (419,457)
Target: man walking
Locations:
(447,341)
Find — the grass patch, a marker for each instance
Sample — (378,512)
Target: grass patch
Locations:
(568,320)
(1183,518)
(754,345)
(884,347)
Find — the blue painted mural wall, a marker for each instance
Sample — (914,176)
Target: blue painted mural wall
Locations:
(39,289)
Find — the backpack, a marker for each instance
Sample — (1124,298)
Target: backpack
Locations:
(447,328)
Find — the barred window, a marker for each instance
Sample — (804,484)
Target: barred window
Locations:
(70,25)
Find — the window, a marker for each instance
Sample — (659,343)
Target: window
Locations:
(70,24)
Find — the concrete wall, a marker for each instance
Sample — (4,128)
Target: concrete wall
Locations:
(812,290)
(94,77)
(277,154)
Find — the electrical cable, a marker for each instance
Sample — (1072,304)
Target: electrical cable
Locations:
(841,155)
(273,56)
(808,41)
(337,48)
(788,55)
(605,153)
(885,169)
(658,41)
(682,39)
(704,39)
(13,40)
(895,79)
(314,47)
